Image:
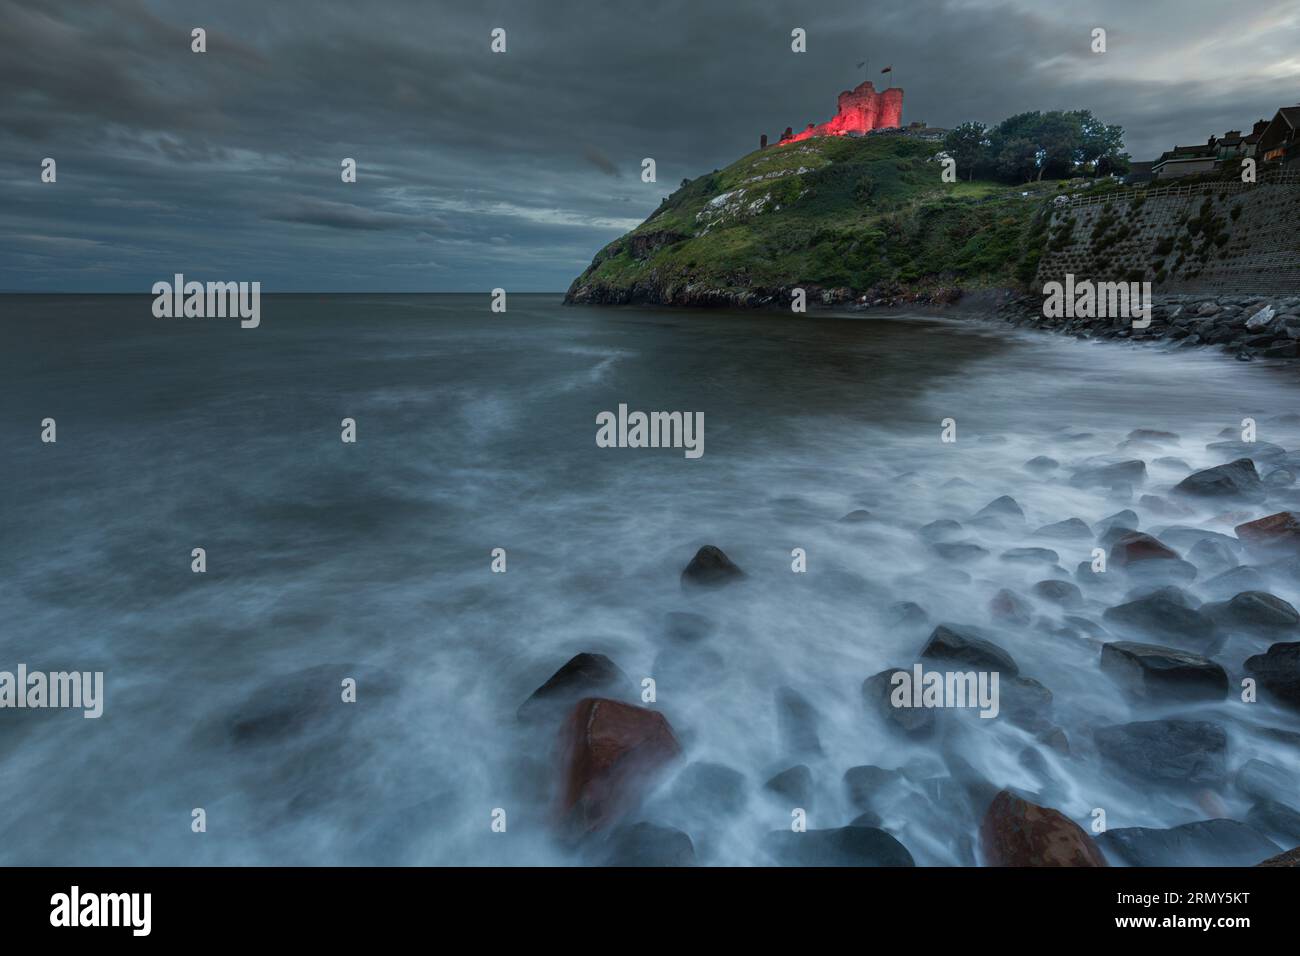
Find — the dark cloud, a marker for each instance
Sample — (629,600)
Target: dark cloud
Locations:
(478,170)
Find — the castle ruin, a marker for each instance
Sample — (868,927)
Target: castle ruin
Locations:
(859,111)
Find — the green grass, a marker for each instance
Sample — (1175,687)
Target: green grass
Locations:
(832,211)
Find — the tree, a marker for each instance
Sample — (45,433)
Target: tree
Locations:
(968,144)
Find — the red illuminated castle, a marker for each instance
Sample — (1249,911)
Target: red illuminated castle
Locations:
(860,110)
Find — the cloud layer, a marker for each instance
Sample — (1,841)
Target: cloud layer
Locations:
(478,170)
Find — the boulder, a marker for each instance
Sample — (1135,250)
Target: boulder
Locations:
(794,785)
(914,722)
(1254,611)
(1236,479)
(1058,592)
(1277,531)
(1015,832)
(710,568)
(1065,530)
(797,724)
(1234,581)
(844,846)
(1129,471)
(710,787)
(1160,615)
(684,627)
(648,844)
(1137,546)
(1008,606)
(1203,843)
(960,551)
(970,646)
(583,675)
(1278,672)
(863,784)
(1126,519)
(1030,556)
(612,753)
(1001,507)
(1266,781)
(1172,752)
(1153,672)
(1269,816)
(856,517)
(1042,464)
(944,529)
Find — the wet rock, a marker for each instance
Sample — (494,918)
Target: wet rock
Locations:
(1279,478)
(1154,672)
(960,551)
(1062,593)
(711,787)
(1007,606)
(866,784)
(1237,479)
(797,723)
(845,846)
(1126,519)
(1154,504)
(906,614)
(1171,462)
(1030,556)
(1171,752)
(1278,672)
(648,844)
(1255,450)
(1269,816)
(1289,858)
(613,753)
(1137,546)
(1026,703)
(1266,781)
(1130,471)
(944,529)
(1015,832)
(1151,436)
(1234,581)
(710,568)
(684,627)
(794,785)
(1040,464)
(583,675)
(287,706)
(970,646)
(1001,507)
(1254,611)
(1277,531)
(1212,556)
(856,517)
(1159,616)
(915,722)
(1203,843)
(1184,537)
(1067,529)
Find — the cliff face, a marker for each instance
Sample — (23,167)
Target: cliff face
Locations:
(841,217)
(860,110)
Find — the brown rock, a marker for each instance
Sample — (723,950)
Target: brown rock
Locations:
(613,751)
(1136,546)
(1289,858)
(1279,530)
(1016,832)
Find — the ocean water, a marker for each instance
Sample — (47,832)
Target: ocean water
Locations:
(476,430)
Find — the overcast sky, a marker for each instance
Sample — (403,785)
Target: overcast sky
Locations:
(478,170)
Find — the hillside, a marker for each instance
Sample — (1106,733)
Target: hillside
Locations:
(839,216)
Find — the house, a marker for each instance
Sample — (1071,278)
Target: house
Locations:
(1186,160)
(1280,142)
(1139,173)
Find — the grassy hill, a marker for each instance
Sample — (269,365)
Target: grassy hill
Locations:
(841,217)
